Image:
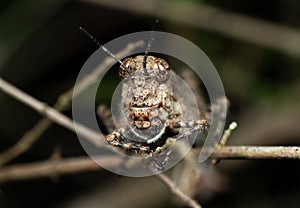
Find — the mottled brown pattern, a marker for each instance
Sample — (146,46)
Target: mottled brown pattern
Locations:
(150,110)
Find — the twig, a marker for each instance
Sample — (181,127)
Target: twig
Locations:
(56,167)
(63,102)
(79,164)
(185,198)
(51,113)
(224,139)
(227,134)
(93,76)
(225,152)
(104,113)
(26,141)
(193,83)
(213,19)
(51,168)
(257,152)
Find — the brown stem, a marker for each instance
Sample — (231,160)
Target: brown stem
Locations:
(257,152)
(52,167)
(63,102)
(185,198)
(73,165)
(51,113)
(211,18)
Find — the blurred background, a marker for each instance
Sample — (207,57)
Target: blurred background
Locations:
(255,46)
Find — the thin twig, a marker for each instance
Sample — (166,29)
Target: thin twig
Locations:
(26,141)
(63,102)
(222,142)
(226,152)
(51,168)
(214,19)
(185,198)
(193,83)
(63,167)
(51,113)
(79,164)
(227,134)
(104,113)
(257,152)
(93,76)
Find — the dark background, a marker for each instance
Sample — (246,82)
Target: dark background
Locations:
(42,51)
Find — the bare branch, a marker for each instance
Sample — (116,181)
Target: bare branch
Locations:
(52,168)
(224,152)
(213,19)
(93,76)
(56,167)
(193,83)
(185,198)
(79,164)
(26,141)
(63,102)
(51,113)
(257,152)
(105,115)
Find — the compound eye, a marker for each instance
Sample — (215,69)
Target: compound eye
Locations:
(125,69)
(163,71)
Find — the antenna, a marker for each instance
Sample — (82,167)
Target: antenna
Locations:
(150,42)
(103,48)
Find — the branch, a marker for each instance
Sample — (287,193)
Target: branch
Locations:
(55,167)
(79,164)
(223,152)
(185,198)
(52,167)
(257,152)
(62,103)
(51,113)
(217,20)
